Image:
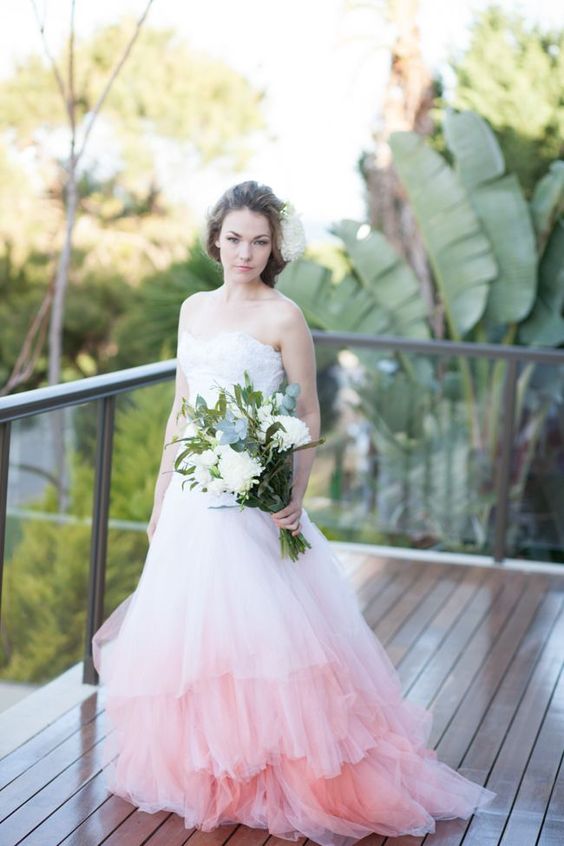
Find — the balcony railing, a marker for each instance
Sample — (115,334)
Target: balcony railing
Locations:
(453,431)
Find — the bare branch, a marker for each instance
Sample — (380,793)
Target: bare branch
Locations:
(71,95)
(110,82)
(32,345)
(52,62)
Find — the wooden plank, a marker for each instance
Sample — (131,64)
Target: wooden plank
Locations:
(412,660)
(508,768)
(29,753)
(518,644)
(494,695)
(48,815)
(407,581)
(417,609)
(34,778)
(552,832)
(493,596)
(451,688)
(376,583)
(513,601)
(534,793)
(101,822)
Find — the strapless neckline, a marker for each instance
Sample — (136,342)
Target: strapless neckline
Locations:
(235,332)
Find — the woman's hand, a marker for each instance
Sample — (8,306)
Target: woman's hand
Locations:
(289,516)
(153,520)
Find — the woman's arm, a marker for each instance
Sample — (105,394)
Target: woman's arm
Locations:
(298,355)
(172,427)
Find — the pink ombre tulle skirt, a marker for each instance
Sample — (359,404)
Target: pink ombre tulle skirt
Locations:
(242,688)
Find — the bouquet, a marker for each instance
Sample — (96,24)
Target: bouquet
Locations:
(244,446)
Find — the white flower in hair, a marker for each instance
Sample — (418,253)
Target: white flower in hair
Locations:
(293,235)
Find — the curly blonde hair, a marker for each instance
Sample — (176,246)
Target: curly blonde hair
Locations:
(257,198)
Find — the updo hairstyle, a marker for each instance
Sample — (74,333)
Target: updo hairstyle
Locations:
(257,198)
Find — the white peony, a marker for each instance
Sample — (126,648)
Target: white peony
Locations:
(296,434)
(238,470)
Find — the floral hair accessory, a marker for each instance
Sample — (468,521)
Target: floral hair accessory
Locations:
(293,240)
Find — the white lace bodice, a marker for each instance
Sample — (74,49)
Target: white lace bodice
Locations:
(222,360)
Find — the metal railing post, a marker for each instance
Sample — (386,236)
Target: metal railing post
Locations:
(99,537)
(503,475)
(5,429)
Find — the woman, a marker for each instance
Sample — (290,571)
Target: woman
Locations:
(242,687)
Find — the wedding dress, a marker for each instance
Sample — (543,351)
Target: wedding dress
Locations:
(246,688)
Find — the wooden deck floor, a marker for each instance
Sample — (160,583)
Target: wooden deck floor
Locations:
(483,648)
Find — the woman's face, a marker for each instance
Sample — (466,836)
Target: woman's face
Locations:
(244,244)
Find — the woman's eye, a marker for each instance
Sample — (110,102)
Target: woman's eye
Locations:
(231,238)
(262,243)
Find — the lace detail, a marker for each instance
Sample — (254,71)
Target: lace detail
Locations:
(221,360)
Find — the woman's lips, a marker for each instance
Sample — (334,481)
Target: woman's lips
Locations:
(243,267)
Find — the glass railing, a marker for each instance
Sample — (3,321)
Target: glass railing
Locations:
(436,446)
(452,448)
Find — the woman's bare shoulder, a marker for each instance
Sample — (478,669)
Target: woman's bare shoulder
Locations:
(289,312)
(192,301)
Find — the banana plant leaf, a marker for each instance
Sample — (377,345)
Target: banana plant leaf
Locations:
(503,212)
(545,326)
(479,157)
(380,296)
(399,308)
(547,203)
(460,253)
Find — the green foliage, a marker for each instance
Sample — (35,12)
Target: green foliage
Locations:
(46,577)
(511,74)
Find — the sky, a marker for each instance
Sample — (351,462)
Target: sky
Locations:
(323,79)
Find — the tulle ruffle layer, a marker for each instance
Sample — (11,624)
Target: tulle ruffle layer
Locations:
(245,689)
(304,756)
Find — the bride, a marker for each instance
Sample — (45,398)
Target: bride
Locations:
(242,687)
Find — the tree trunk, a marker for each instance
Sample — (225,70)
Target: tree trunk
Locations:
(56,327)
(407,104)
